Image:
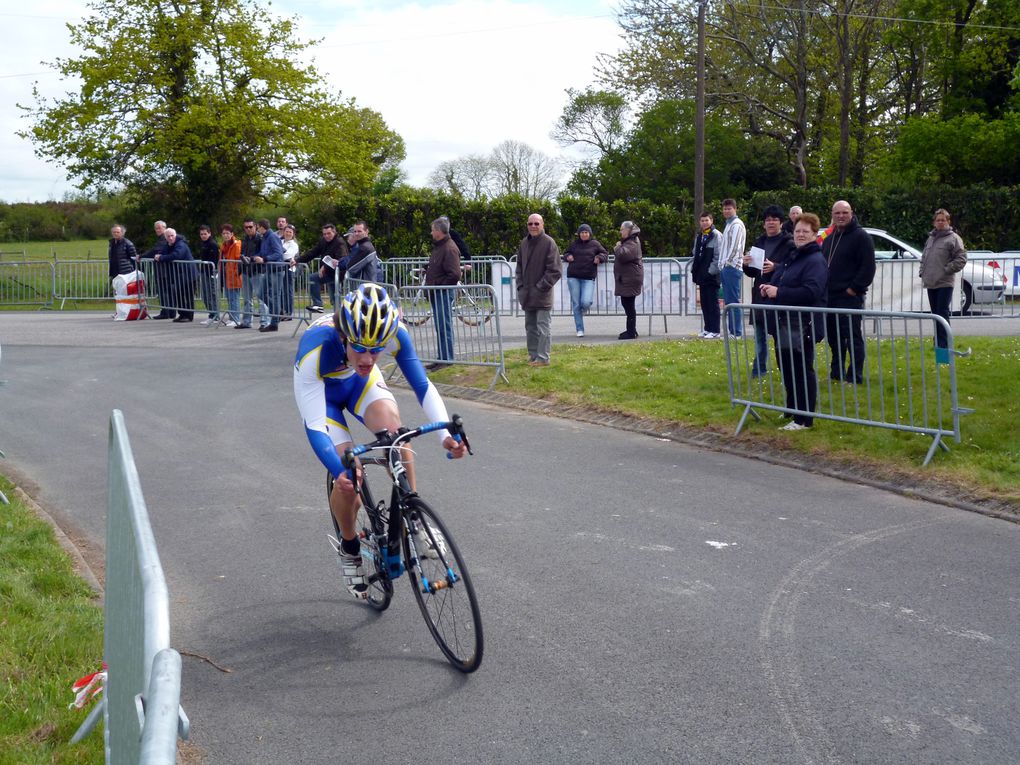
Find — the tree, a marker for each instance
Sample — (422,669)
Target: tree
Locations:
(199,106)
(526,171)
(594,118)
(470,176)
(512,167)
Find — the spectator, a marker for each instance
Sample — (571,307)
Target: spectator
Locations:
(538,269)
(290,253)
(705,273)
(583,257)
(363,261)
(944,256)
(798,280)
(252,273)
(775,243)
(178,260)
(443,270)
(330,249)
(209,257)
(281,224)
(465,253)
(122,253)
(271,258)
(791,221)
(731,263)
(160,275)
(850,255)
(230,274)
(629,274)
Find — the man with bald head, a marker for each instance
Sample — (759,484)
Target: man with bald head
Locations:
(538,269)
(850,255)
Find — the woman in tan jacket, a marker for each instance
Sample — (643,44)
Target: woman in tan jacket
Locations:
(943,257)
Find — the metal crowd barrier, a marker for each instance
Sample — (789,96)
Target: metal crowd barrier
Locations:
(141,700)
(472,335)
(26,283)
(81,280)
(907,382)
(991,290)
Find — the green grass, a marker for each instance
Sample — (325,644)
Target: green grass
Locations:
(684,382)
(51,633)
(88,249)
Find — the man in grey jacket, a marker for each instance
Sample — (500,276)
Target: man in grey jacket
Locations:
(538,269)
(944,256)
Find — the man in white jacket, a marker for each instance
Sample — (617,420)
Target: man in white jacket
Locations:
(731,261)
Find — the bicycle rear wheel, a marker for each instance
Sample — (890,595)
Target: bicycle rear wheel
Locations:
(415,309)
(443,589)
(380,586)
(472,310)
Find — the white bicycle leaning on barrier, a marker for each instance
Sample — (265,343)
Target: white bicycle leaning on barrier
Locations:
(469,309)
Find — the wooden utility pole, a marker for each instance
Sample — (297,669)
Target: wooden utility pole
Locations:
(699,120)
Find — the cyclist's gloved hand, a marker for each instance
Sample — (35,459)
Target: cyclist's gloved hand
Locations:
(455,447)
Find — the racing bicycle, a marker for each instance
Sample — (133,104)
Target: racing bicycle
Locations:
(407,536)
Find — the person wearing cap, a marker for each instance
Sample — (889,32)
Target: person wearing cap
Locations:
(330,249)
(777,245)
(583,257)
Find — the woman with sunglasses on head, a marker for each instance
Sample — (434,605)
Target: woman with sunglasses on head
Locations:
(335,369)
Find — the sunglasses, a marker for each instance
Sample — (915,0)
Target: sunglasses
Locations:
(358,348)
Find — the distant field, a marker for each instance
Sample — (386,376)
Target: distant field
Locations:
(89,249)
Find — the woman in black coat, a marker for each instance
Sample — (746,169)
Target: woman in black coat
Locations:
(799,280)
(629,273)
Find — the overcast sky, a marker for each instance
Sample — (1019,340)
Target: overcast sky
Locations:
(452,78)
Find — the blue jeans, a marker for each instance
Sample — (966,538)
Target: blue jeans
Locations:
(251,288)
(442,312)
(270,295)
(582,292)
(234,305)
(315,283)
(732,278)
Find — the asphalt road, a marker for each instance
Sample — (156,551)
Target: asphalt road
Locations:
(643,601)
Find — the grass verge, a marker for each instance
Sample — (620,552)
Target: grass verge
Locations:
(51,633)
(682,384)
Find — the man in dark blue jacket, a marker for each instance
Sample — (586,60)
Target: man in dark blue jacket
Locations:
(176,257)
(271,257)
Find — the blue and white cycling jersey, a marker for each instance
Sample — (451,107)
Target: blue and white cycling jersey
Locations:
(325,384)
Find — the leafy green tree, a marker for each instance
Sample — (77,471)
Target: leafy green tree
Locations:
(198,107)
(593,118)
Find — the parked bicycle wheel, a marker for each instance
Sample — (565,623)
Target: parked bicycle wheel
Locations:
(380,586)
(473,309)
(442,587)
(416,309)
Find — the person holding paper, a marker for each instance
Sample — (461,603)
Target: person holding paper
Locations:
(768,249)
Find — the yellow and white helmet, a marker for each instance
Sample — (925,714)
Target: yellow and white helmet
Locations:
(367,316)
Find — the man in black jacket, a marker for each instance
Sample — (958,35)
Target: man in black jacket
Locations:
(850,255)
(330,249)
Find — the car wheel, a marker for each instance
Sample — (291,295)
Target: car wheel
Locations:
(968,298)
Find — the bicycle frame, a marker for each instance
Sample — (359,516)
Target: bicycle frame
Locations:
(393,444)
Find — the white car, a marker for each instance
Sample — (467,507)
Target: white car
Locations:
(1009,262)
(980,282)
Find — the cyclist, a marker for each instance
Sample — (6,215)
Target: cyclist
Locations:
(335,369)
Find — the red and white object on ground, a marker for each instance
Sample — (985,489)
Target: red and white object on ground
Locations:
(129,290)
(87,688)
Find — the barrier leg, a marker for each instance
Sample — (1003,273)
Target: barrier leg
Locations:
(748,409)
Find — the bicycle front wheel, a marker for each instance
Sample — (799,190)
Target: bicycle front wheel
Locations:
(473,310)
(415,309)
(442,586)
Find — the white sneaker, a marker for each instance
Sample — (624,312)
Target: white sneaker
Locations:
(207,322)
(580,333)
(230,324)
(354,575)
(703,334)
(795,426)
(712,335)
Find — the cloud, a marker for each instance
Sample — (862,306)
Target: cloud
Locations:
(452,78)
